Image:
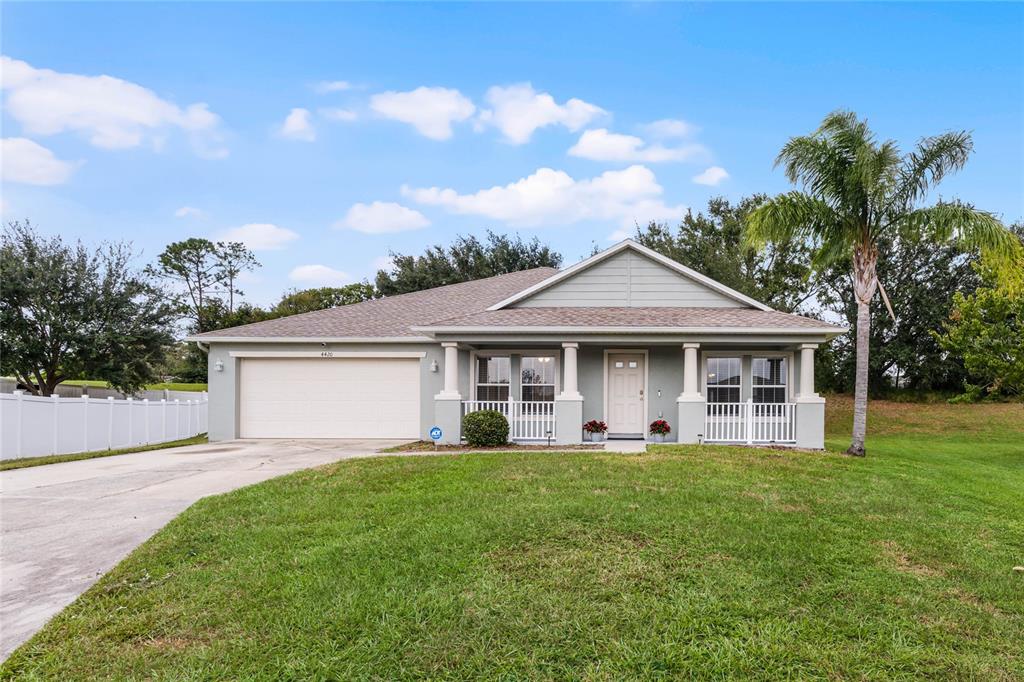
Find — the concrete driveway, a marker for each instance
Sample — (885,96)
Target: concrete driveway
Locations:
(65,525)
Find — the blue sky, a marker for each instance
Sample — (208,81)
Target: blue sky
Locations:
(328,134)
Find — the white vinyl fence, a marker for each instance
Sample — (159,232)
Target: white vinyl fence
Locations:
(750,423)
(32,426)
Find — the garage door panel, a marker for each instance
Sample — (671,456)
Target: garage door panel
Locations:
(329,398)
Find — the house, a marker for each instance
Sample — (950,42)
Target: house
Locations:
(626,336)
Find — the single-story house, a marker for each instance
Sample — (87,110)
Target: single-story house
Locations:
(626,336)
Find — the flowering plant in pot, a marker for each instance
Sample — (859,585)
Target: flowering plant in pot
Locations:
(596,428)
(658,429)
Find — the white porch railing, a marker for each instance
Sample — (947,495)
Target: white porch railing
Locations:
(527,419)
(750,423)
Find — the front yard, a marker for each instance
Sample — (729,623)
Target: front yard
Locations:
(686,561)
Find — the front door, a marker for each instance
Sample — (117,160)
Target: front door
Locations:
(626,413)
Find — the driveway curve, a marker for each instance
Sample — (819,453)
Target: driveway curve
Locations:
(65,525)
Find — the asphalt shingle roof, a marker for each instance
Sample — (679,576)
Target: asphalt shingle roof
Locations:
(393,316)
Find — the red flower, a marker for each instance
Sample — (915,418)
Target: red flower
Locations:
(595,426)
(660,426)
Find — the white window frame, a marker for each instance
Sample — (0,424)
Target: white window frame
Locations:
(746,377)
(554,369)
(514,380)
(788,357)
(704,375)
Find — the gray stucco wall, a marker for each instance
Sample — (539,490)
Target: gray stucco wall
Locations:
(629,279)
(223,385)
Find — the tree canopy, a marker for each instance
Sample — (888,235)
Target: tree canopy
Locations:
(67,312)
(467,258)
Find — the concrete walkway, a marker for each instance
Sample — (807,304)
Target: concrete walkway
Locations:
(65,525)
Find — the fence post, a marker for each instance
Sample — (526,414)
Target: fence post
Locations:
(110,422)
(188,421)
(750,421)
(163,413)
(177,418)
(56,421)
(131,441)
(19,427)
(145,412)
(85,422)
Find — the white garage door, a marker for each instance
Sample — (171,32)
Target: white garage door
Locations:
(329,398)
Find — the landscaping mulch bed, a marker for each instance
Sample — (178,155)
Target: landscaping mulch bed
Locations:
(427,446)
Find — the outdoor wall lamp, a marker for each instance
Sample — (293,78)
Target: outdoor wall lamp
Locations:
(219,365)
(433,366)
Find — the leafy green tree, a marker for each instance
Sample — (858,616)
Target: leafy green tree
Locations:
(233,258)
(712,243)
(856,192)
(986,329)
(467,259)
(921,278)
(67,312)
(307,300)
(194,270)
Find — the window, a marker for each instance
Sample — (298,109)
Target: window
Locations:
(769,379)
(538,376)
(723,380)
(493,375)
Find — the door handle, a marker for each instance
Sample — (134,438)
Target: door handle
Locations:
(641,394)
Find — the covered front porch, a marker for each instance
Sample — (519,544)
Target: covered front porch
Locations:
(712,391)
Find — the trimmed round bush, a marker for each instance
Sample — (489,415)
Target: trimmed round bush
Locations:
(485,429)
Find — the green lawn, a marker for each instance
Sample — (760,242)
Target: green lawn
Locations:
(684,562)
(23,462)
(94,383)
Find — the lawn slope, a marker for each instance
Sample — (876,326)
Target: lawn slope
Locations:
(687,561)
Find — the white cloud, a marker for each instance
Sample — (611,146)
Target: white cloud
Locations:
(382,217)
(619,235)
(319,275)
(601,145)
(712,176)
(190,212)
(22,160)
(337,114)
(111,113)
(518,110)
(432,111)
(551,196)
(298,126)
(260,236)
(669,128)
(325,87)
(382,263)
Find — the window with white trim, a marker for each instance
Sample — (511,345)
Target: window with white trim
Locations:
(769,376)
(493,377)
(723,379)
(537,373)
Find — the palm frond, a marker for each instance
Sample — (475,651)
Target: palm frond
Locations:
(932,160)
(794,215)
(970,228)
(816,165)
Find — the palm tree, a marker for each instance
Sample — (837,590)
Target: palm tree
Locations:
(855,191)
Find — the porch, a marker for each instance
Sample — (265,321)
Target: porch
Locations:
(708,393)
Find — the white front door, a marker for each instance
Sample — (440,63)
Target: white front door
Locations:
(626,393)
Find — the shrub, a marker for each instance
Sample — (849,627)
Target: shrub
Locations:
(486,428)
(660,426)
(595,426)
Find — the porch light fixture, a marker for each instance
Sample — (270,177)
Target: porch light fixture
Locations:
(433,366)
(219,365)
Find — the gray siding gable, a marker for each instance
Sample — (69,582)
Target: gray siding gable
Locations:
(632,280)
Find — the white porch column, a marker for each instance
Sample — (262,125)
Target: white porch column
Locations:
(691,376)
(807,371)
(448,403)
(569,403)
(570,380)
(451,371)
(690,403)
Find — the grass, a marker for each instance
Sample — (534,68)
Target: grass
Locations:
(23,462)
(170,386)
(706,562)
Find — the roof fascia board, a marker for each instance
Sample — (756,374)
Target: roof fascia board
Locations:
(311,339)
(834,331)
(642,250)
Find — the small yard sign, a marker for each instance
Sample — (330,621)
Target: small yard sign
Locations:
(435,433)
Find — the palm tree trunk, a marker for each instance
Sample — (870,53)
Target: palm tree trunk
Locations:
(865,282)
